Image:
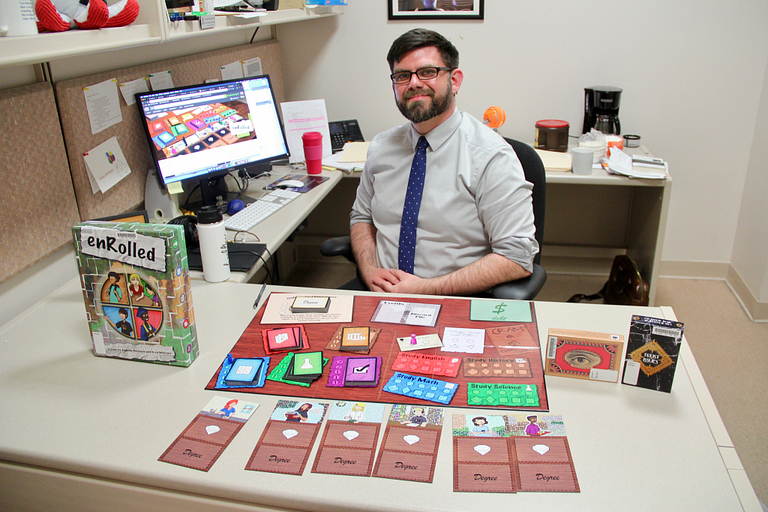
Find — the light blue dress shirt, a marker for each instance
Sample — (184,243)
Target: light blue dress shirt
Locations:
(475,201)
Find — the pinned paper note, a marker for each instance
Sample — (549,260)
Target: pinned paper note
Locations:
(103,105)
(130,89)
(106,164)
(161,80)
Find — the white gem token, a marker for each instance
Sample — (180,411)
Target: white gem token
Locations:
(411,439)
(482,449)
(350,434)
(212,429)
(290,433)
(541,449)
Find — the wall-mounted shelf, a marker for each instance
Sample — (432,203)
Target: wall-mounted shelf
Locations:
(152,27)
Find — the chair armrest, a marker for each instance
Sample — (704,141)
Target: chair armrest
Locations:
(522,289)
(339,246)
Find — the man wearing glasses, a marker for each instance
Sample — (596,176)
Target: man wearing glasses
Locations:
(443,206)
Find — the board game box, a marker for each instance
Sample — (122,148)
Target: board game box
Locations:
(135,282)
(652,350)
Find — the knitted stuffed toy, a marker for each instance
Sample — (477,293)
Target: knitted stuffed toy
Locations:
(61,15)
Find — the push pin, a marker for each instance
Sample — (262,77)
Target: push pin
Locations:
(413,340)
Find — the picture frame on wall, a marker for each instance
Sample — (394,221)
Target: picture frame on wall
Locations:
(435,9)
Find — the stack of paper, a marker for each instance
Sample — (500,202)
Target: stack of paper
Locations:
(555,160)
(636,166)
(350,159)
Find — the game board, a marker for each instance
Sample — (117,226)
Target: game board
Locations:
(509,363)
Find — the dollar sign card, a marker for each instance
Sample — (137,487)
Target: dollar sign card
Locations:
(500,311)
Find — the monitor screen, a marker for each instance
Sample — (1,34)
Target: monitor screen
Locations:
(205,131)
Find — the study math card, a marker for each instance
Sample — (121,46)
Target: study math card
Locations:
(411,441)
(652,350)
(349,442)
(288,438)
(204,440)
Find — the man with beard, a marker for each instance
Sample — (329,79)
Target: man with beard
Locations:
(458,224)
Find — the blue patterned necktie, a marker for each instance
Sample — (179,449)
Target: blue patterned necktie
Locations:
(407,247)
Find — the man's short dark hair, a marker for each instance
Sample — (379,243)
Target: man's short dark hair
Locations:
(421,38)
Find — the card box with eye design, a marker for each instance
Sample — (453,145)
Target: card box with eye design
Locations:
(584,355)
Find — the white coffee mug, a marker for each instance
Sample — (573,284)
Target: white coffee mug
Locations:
(17,18)
(582,160)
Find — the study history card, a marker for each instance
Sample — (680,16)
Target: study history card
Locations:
(348,446)
(512,453)
(205,439)
(288,438)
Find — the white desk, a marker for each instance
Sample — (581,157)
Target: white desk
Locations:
(84,433)
(276,229)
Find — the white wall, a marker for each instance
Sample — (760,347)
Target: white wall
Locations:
(750,250)
(692,74)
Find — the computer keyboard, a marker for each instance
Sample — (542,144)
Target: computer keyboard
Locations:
(259,210)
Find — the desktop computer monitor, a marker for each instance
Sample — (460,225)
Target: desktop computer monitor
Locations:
(202,132)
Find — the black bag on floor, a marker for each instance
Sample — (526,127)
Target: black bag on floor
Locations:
(625,285)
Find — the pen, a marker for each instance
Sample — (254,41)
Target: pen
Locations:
(258,298)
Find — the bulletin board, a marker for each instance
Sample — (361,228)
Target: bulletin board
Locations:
(38,201)
(189,70)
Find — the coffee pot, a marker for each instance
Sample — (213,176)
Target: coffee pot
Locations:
(601,109)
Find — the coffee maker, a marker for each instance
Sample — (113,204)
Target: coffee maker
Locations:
(601,109)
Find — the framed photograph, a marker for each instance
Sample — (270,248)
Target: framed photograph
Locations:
(435,9)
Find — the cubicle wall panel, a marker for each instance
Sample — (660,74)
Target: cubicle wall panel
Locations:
(36,194)
(188,70)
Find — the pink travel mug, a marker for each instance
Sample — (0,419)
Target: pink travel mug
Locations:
(313,151)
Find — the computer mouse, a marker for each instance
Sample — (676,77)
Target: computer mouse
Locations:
(235,206)
(290,184)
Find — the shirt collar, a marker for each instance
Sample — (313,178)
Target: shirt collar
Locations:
(439,135)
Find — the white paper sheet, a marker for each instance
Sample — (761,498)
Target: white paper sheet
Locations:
(103,105)
(106,164)
(129,89)
(305,116)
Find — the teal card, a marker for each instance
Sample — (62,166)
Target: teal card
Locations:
(500,310)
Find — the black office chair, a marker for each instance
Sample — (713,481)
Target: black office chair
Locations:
(521,289)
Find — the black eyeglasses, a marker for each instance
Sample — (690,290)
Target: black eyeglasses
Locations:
(430,73)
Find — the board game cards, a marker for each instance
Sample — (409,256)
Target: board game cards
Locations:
(285,339)
(584,355)
(354,371)
(349,442)
(411,441)
(310,305)
(204,440)
(356,339)
(424,388)
(288,438)
(512,453)
(652,350)
(301,368)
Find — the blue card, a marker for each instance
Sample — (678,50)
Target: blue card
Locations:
(423,388)
(235,373)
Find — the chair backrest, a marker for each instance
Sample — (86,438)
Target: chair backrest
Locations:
(534,173)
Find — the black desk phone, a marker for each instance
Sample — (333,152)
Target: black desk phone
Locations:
(343,132)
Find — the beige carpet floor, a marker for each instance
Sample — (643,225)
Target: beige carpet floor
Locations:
(730,349)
